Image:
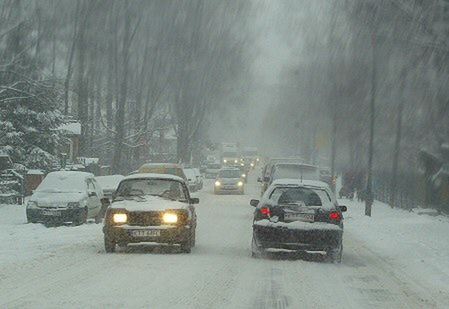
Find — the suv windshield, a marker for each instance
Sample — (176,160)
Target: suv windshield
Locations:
(300,196)
(229,174)
(170,189)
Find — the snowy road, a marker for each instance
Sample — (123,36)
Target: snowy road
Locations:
(67,267)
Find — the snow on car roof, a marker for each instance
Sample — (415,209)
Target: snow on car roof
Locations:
(153,176)
(161,164)
(64,174)
(299,182)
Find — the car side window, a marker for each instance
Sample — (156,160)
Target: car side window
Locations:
(90,186)
(97,187)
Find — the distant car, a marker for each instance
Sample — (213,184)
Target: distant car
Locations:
(191,179)
(66,196)
(151,208)
(229,180)
(289,169)
(297,215)
(163,168)
(109,184)
(199,178)
(212,170)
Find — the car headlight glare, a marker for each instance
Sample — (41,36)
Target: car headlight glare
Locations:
(120,218)
(217,183)
(240,184)
(170,217)
(243,175)
(252,164)
(225,161)
(236,161)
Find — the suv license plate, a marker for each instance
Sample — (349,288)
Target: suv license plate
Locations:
(299,217)
(146,233)
(54,213)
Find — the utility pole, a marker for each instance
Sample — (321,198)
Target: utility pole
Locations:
(369,184)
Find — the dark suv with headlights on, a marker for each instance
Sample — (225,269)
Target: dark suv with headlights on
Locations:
(152,208)
(229,180)
(296,215)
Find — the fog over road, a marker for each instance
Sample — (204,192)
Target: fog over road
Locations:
(68,267)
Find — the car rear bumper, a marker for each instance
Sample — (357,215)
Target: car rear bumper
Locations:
(169,235)
(59,215)
(296,239)
(229,190)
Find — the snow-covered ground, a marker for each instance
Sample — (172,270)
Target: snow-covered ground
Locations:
(394,259)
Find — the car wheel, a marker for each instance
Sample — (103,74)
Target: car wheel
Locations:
(193,238)
(334,255)
(99,217)
(256,251)
(82,218)
(186,247)
(109,245)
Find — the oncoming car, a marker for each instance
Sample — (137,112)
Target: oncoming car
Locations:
(296,215)
(152,208)
(229,180)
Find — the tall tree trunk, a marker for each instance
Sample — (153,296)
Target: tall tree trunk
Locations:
(369,185)
(120,117)
(397,143)
(70,61)
(83,111)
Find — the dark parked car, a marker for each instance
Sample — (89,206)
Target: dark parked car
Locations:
(298,215)
(153,208)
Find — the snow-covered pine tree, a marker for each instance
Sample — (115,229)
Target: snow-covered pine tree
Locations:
(29,115)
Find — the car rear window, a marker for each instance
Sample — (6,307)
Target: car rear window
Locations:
(301,196)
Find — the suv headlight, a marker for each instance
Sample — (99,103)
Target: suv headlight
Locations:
(240,184)
(73,205)
(120,218)
(32,205)
(169,217)
(217,183)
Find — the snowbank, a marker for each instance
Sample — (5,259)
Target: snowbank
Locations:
(415,244)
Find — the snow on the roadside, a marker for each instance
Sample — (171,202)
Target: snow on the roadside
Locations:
(22,241)
(417,245)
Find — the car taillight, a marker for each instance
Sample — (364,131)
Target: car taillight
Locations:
(265,211)
(335,215)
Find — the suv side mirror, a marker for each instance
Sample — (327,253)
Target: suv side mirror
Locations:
(254,203)
(343,208)
(194,200)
